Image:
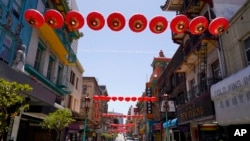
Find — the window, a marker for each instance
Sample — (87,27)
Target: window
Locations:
(38,58)
(192,89)
(16,8)
(50,67)
(247,50)
(5,49)
(76,83)
(192,83)
(39,53)
(216,69)
(59,74)
(84,89)
(72,78)
(173,84)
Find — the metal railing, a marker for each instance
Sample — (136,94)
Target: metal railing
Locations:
(201,88)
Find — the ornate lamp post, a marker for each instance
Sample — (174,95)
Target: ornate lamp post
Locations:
(86,106)
(165,96)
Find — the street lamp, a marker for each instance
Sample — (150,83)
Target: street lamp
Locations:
(86,106)
(165,96)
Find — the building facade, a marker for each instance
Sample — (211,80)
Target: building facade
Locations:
(46,67)
(153,117)
(231,96)
(90,88)
(204,60)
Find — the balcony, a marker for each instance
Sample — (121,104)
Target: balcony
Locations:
(172,5)
(191,50)
(202,88)
(45,81)
(40,95)
(63,7)
(192,8)
(199,109)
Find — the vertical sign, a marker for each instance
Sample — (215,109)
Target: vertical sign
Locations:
(149,103)
(97,111)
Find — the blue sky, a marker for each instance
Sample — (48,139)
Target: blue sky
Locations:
(122,60)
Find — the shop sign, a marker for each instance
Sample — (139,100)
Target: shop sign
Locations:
(231,97)
(97,111)
(149,103)
(157,126)
(200,107)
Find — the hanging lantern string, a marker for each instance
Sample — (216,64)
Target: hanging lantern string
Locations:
(122,125)
(116,22)
(121,98)
(121,116)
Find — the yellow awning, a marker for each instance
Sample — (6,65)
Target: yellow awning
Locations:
(57,46)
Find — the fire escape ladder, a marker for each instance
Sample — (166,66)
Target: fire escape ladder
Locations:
(202,68)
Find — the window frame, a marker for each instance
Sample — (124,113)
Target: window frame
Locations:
(72,77)
(17,8)
(50,67)
(59,79)
(39,53)
(246,49)
(216,68)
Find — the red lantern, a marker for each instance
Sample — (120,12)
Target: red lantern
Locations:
(107,98)
(95,20)
(120,98)
(146,98)
(110,115)
(34,18)
(218,25)
(96,97)
(198,25)
(54,18)
(140,98)
(137,23)
(74,20)
(158,24)
(114,98)
(133,98)
(127,99)
(153,99)
(102,97)
(116,21)
(179,24)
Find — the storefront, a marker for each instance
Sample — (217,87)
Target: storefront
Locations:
(173,130)
(74,131)
(157,126)
(41,102)
(231,98)
(194,114)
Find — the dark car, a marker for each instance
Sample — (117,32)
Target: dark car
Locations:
(129,139)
